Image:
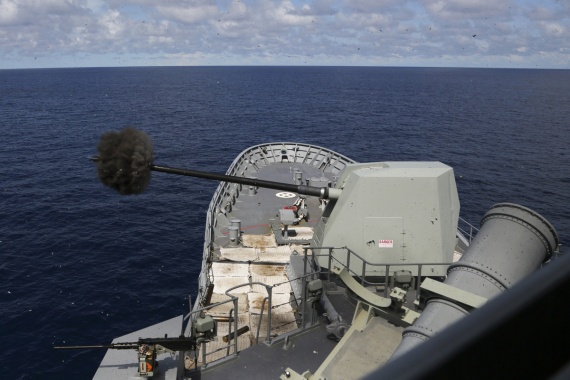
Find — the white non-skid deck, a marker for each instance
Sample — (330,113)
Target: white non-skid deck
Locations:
(258,260)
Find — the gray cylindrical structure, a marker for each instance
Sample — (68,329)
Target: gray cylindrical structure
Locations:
(236,223)
(234,236)
(252,190)
(513,242)
(236,233)
(298,177)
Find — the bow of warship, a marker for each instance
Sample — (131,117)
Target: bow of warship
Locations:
(318,267)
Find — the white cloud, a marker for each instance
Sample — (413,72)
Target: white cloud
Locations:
(553,29)
(188,14)
(364,6)
(542,13)
(468,9)
(287,14)
(8,12)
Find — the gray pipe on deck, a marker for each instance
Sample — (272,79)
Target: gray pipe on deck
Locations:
(513,242)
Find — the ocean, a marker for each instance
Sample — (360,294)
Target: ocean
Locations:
(82,264)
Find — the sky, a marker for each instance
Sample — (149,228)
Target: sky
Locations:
(435,33)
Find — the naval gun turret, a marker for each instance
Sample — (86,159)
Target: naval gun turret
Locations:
(394,212)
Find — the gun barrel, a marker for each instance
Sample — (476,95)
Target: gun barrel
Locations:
(322,192)
(118,346)
(173,344)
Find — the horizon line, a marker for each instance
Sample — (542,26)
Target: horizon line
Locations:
(282,66)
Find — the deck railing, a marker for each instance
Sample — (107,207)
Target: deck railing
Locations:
(467,229)
(350,257)
(231,319)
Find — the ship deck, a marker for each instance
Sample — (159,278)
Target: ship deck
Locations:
(262,256)
(265,255)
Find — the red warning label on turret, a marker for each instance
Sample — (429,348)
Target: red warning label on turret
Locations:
(385,243)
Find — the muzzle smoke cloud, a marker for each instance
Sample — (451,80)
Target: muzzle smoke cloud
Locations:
(124,159)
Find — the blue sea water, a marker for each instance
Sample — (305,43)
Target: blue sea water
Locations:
(81,264)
